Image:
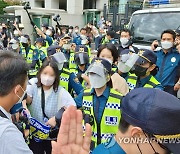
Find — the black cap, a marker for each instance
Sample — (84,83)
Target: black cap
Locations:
(52,49)
(40,40)
(155,112)
(81,48)
(46,25)
(145,56)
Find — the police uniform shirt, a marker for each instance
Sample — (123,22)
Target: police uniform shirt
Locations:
(110,147)
(42,55)
(102,100)
(11,139)
(35,53)
(168,64)
(74,84)
(141,82)
(49,40)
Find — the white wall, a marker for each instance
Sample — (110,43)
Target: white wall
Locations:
(75,6)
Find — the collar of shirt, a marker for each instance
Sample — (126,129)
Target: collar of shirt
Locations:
(172,50)
(143,81)
(114,147)
(105,93)
(5,112)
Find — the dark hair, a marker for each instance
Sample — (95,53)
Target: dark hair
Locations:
(83,29)
(76,27)
(13,71)
(110,47)
(111,34)
(54,66)
(123,125)
(127,31)
(71,27)
(169,31)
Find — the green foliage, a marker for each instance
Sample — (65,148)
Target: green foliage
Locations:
(2,6)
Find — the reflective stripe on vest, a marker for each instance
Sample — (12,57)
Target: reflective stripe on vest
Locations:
(64,78)
(110,118)
(132,81)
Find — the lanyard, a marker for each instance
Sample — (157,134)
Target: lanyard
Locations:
(43,103)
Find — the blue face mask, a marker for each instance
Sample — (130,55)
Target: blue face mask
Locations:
(18,106)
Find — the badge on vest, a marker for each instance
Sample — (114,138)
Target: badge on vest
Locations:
(109,120)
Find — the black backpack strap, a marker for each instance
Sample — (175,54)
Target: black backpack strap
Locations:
(3,115)
(43,103)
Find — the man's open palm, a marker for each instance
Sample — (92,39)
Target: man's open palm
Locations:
(70,138)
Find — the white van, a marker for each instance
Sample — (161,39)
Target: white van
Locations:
(147,25)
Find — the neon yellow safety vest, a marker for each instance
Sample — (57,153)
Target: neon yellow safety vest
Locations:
(64,78)
(72,64)
(132,81)
(29,59)
(110,118)
(105,40)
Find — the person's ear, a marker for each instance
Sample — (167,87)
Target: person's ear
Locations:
(17,89)
(152,67)
(136,132)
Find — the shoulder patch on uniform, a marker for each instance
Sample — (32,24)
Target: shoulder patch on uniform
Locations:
(76,80)
(110,143)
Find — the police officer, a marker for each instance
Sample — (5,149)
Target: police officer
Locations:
(108,38)
(143,118)
(68,80)
(144,71)
(101,104)
(41,46)
(81,59)
(14,45)
(31,55)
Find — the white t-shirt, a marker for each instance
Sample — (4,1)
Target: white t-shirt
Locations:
(11,139)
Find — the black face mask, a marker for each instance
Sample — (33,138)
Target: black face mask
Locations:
(139,70)
(25,45)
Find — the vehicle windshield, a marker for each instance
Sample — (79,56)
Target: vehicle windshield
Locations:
(148,27)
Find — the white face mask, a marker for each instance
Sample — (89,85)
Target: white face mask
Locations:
(76,30)
(124,40)
(48,32)
(16,33)
(70,30)
(96,81)
(47,80)
(166,44)
(67,46)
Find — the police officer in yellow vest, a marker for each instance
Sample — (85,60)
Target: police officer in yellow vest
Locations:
(40,45)
(68,80)
(144,71)
(31,55)
(101,104)
(81,59)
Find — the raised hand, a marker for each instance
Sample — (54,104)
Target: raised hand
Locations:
(70,138)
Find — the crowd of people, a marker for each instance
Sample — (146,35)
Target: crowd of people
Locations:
(120,91)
